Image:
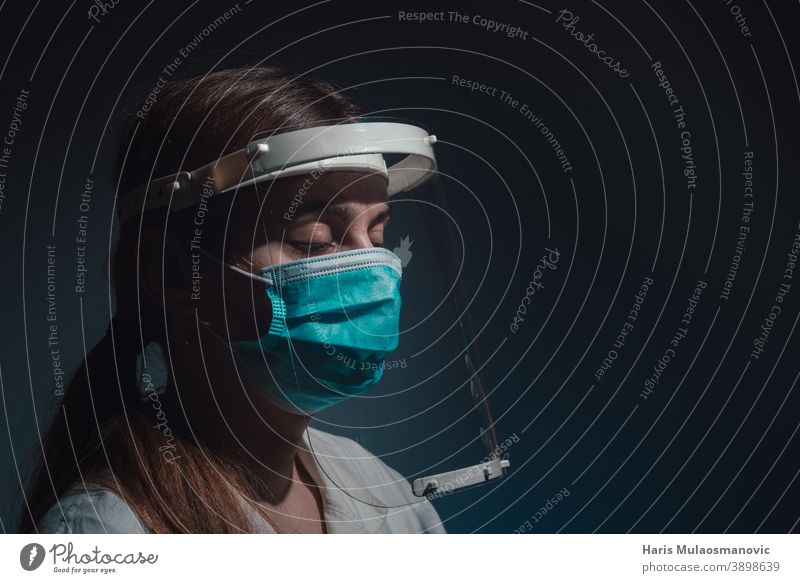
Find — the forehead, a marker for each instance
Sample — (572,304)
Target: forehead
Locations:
(293,201)
(296,193)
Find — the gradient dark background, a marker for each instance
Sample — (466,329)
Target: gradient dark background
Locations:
(713,449)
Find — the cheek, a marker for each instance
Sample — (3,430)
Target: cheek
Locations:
(273,253)
(236,302)
(247,308)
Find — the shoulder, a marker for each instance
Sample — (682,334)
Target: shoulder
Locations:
(90,511)
(351,458)
(365,472)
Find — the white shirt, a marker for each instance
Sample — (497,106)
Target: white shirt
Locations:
(348,469)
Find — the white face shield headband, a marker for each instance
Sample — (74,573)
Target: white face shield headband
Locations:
(356,146)
(348,146)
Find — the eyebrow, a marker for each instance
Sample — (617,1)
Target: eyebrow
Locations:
(341,211)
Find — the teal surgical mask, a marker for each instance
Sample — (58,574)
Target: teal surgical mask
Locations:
(335,318)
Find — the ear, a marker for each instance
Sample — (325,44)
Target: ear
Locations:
(165,269)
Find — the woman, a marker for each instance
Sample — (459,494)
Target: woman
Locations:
(176,422)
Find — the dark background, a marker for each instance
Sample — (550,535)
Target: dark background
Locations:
(713,449)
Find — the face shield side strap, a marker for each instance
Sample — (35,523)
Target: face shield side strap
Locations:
(493,466)
(446,247)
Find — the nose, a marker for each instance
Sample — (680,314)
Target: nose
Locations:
(357,237)
(356,233)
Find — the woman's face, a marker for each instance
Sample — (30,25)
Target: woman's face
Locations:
(290,219)
(293,218)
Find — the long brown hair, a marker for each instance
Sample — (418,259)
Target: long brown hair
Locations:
(100,433)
